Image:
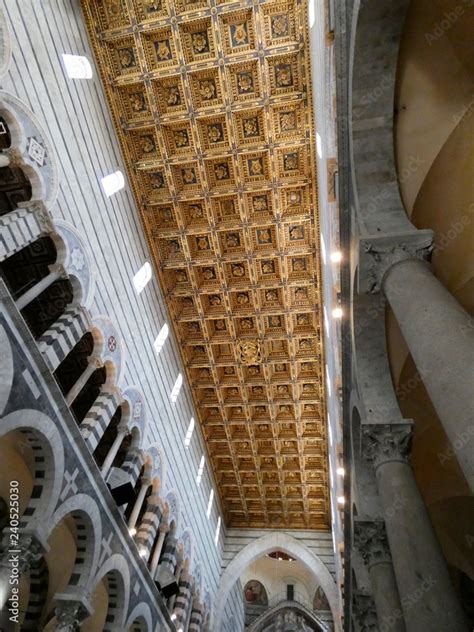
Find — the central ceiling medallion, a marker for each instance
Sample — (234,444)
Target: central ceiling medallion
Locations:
(250,351)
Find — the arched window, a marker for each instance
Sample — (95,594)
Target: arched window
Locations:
(142,277)
(176,388)
(160,340)
(189,433)
(113,183)
(77,67)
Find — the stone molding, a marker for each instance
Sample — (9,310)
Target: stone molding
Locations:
(377,254)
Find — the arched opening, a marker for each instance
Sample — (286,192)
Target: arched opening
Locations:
(26,270)
(107,601)
(15,186)
(89,393)
(108,438)
(249,559)
(72,553)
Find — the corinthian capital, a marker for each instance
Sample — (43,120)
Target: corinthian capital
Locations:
(378,253)
(371,541)
(383,443)
(364,612)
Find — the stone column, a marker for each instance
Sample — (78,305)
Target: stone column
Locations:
(56,272)
(371,541)
(145,484)
(440,336)
(98,418)
(164,528)
(93,364)
(426,592)
(23,226)
(122,432)
(363,613)
(437,330)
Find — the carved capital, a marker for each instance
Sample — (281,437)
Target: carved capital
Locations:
(371,541)
(70,614)
(42,215)
(364,613)
(377,254)
(385,443)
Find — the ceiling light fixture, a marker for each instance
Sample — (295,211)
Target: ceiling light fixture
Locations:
(337,312)
(336,257)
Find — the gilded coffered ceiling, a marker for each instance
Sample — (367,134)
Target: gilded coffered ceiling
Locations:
(212,108)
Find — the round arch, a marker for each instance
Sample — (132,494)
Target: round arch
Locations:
(264,545)
(116,566)
(86,514)
(140,616)
(76,258)
(39,429)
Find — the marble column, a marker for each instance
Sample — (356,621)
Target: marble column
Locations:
(371,540)
(56,272)
(440,336)
(93,364)
(122,432)
(163,530)
(427,595)
(144,485)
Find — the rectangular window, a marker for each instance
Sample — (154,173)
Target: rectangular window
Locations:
(290,592)
(189,433)
(209,504)
(200,470)
(218,528)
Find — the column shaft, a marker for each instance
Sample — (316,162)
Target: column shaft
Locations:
(440,336)
(157,551)
(426,592)
(138,504)
(59,340)
(42,285)
(114,448)
(82,381)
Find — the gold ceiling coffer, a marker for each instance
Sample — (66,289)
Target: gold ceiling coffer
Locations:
(250,351)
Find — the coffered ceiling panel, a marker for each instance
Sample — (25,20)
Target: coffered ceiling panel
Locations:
(212,106)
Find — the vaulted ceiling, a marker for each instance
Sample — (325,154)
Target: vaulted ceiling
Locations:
(211,102)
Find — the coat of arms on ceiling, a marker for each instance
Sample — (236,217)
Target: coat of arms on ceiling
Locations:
(250,351)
